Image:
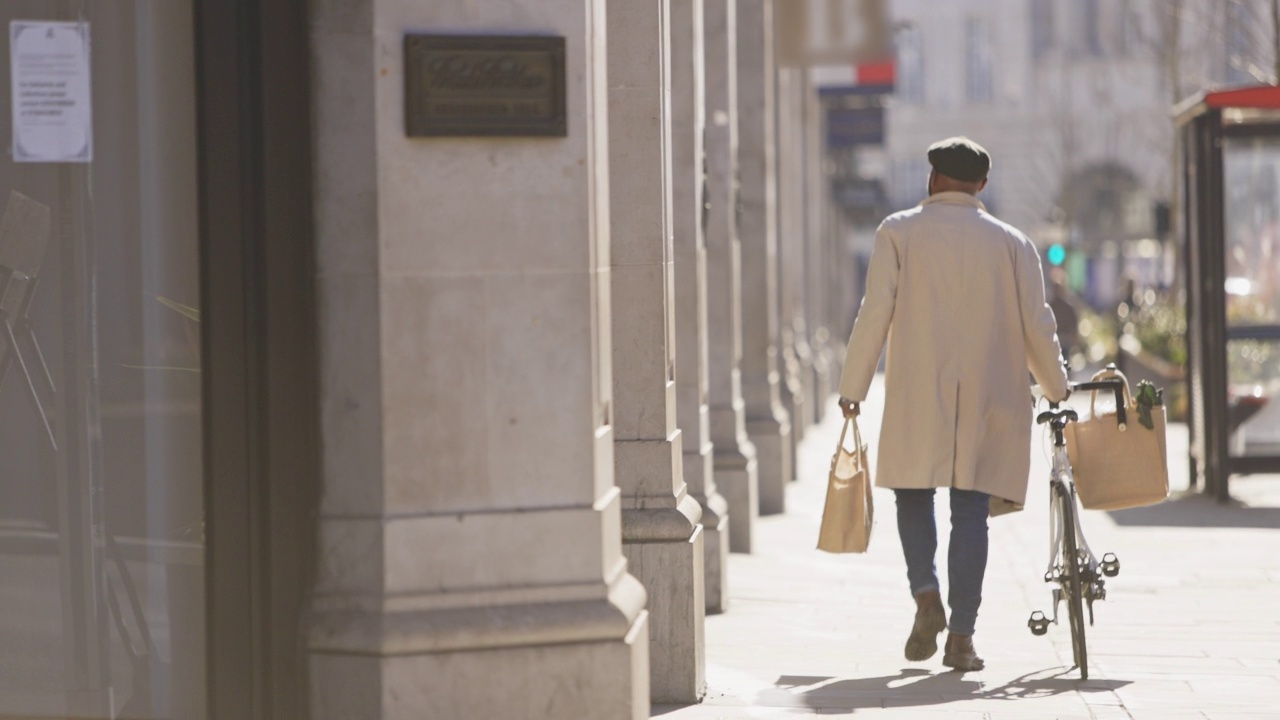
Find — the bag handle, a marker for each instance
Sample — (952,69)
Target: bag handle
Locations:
(857,436)
(1124,397)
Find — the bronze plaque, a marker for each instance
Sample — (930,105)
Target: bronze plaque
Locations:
(457,85)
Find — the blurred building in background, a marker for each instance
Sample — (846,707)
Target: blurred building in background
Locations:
(1073,99)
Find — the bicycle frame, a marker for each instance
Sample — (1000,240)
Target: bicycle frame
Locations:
(1061,475)
(1073,567)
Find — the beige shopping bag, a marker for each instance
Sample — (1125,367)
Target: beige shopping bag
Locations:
(848,514)
(1118,464)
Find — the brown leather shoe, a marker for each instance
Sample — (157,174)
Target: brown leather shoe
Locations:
(960,654)
(931,619)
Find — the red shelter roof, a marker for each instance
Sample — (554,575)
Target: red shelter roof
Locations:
(1252,98)
(1261,96)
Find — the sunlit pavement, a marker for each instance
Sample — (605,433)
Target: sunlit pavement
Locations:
(1190,628)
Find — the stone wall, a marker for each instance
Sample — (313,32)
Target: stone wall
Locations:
(561,376)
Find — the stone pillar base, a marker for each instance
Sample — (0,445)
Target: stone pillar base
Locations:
(715,555)
(822,382)
(596,679)
(837,350)
(662,541)
(698,468)
(808,387)
(737,481)
(677,608)
(793,400)
(772,439)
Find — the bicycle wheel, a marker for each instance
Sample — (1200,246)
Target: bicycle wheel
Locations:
(1073,583)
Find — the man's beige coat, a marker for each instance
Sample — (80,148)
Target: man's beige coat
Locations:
(960,297)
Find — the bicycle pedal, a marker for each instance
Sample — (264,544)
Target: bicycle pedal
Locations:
(1038,623)
(1110,565)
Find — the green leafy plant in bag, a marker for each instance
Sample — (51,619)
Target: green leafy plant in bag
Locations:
(1147,397)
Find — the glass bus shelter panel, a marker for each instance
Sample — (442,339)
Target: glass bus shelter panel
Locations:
(1251,168)
(1253,397)
(1252,213)
(101,511)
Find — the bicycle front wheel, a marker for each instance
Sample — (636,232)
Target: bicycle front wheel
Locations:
(1072,580)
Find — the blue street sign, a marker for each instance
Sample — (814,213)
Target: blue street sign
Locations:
(850,127)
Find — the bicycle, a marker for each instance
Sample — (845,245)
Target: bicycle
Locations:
(1072,564)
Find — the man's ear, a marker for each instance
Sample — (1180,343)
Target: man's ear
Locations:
(982,185)
(933,175)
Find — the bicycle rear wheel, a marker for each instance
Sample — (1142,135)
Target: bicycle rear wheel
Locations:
(1073,583)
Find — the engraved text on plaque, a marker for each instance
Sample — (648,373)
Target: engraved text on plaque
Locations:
(484,85)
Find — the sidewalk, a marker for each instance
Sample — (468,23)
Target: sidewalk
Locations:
(1190,628)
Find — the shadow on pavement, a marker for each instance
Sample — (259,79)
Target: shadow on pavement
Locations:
(915,687)
(1194,509)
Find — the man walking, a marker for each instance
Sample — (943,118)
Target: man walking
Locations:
(960,297)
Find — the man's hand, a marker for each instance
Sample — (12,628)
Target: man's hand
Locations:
(849,407)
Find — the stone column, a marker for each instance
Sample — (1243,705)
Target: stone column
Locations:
(469,553)
(817,262)
(661,534)
(840,276)
(768,423)
(788,377)
(791,261)
(735,456)
(688,123)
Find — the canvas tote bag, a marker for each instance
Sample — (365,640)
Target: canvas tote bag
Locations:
(1117,462)
(848,514)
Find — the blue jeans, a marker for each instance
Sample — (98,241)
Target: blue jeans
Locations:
(966,560)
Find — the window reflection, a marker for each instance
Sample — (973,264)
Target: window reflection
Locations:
(101,516)
(1253,384)
(1252,288)
(1252,196)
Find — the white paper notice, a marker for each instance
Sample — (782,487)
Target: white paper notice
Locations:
(52,109)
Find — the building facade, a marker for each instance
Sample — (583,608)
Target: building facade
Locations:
(1074,101)
(319,414)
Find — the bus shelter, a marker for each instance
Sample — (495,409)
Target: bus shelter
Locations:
(1230,150)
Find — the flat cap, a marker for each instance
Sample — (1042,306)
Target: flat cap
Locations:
(960,158)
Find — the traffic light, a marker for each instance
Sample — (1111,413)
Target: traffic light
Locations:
(1057,255)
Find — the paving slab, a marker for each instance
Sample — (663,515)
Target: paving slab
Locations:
(1190,628)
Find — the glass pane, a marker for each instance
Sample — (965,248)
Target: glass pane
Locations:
(1253,405)
(101,514)
(1252,195)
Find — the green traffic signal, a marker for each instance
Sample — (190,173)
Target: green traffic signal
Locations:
(1057,255)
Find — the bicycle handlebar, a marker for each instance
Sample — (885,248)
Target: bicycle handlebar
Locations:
(1116,384)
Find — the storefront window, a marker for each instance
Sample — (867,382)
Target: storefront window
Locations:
(101,513)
